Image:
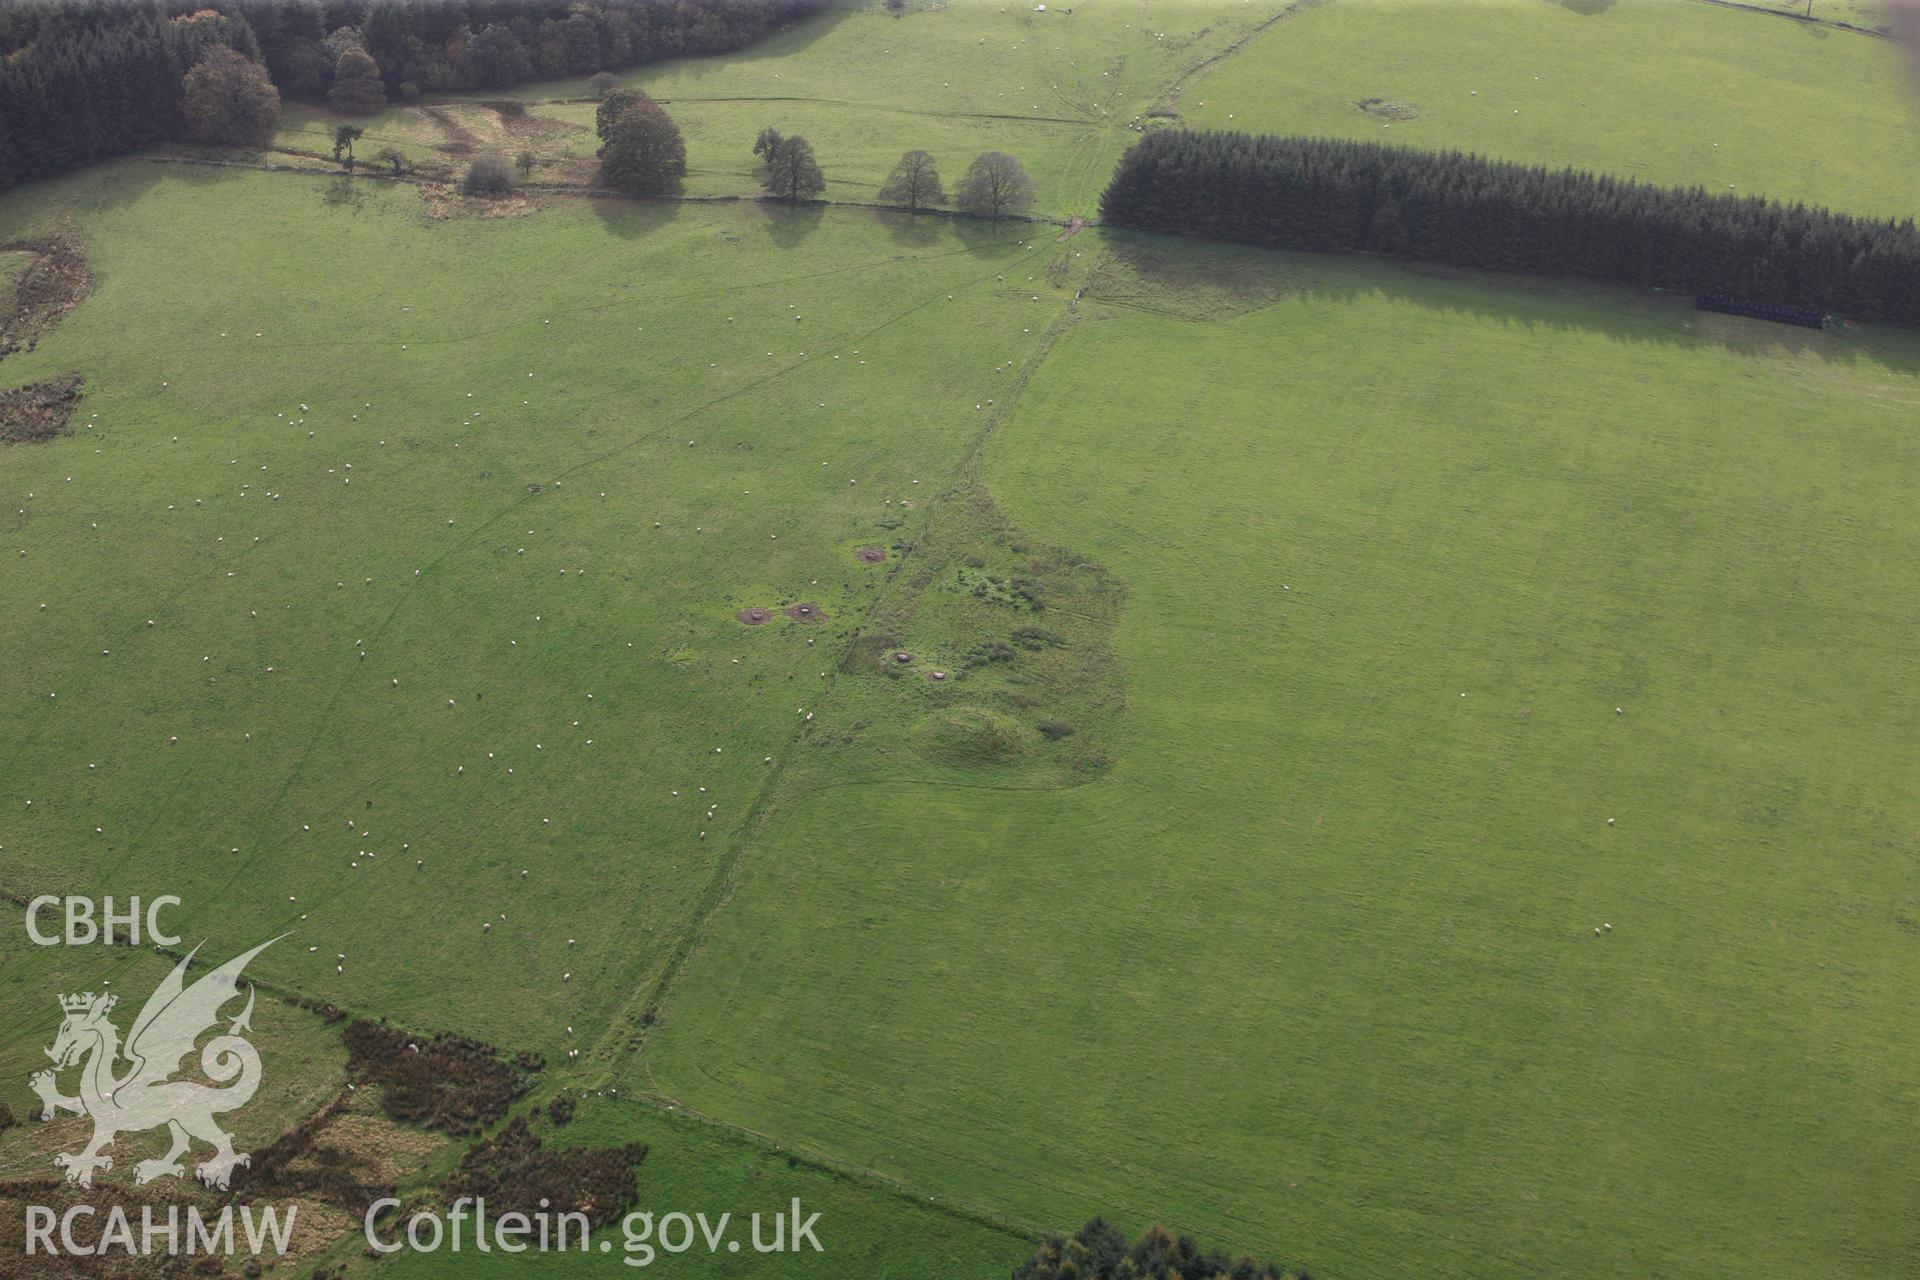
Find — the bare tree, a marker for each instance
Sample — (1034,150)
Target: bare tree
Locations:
(913,182)
(995,186)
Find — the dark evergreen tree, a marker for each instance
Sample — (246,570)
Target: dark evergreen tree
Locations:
(1464,210)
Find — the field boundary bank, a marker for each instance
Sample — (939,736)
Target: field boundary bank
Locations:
(607,193)
(846,1171)
(1170,96)
(429,105)
(1833,23)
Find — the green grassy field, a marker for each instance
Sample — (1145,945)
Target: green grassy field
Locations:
(1316,967)
(1056,90)
(219,572)
(692,1166)
(1243,870)
(1668,92)
(1062,92)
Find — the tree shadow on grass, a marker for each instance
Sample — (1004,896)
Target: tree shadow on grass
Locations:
(913,231)
(341,192)
(1205,281)
(634,219)
(789,224)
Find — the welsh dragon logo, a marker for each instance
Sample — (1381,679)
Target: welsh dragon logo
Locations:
(146,1096)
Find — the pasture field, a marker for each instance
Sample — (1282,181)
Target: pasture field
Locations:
(1059,91)
(329,669)
(1065,93)
(1430,580)
(1670,93)
(693,1166)
(1405,771)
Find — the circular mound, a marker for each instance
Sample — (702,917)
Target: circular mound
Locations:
(754,617)
(971,736)
(871,555)
(902,657)
(936,676)
(808,612)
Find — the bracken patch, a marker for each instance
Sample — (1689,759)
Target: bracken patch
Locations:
(39,411)
(52,283)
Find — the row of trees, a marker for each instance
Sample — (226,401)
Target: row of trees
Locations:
(1327,195)
(995,184)
(81,83)
(1099,1252)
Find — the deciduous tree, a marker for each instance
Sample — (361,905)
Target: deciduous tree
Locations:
(230,102)
(914,182)
(356,83)
(792,172)
(995,186)
(644,153)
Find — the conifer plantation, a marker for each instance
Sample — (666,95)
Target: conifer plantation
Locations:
(1468,211)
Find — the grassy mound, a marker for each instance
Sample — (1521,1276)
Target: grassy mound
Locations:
(972,736)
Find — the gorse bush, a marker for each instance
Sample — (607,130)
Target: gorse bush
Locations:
(1465,210)
(1098,1252)
(488,175)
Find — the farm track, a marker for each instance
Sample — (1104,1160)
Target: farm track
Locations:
(624,1040)
(630,1023)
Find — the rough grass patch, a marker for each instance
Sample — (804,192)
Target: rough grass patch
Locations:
(39,411)
(972,736)
(1387,109)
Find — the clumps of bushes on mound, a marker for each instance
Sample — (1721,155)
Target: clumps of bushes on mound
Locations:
(515,1173)
(1037,638)
(1098,1252)
(972,736)
(489,175)
(448,1082)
